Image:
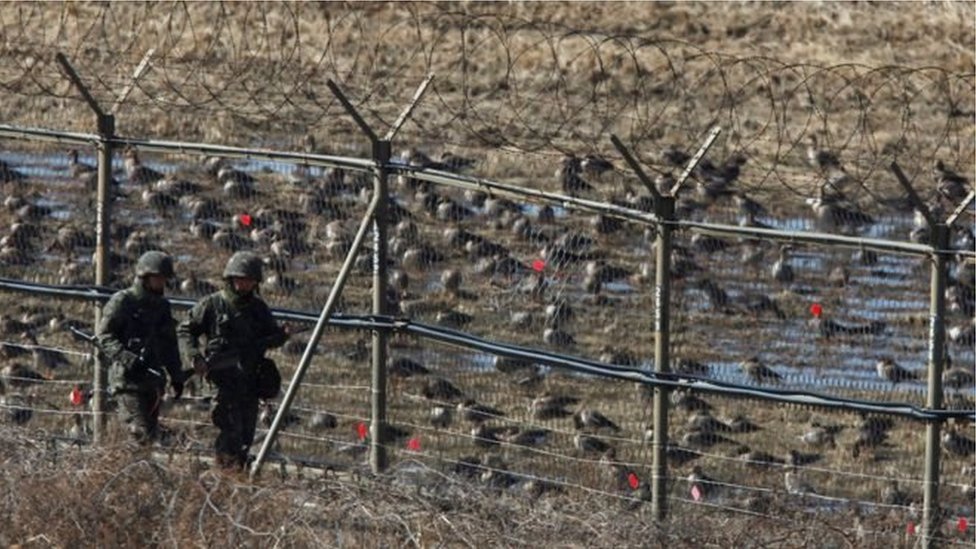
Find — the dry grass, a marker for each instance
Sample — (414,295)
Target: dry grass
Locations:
(65,496)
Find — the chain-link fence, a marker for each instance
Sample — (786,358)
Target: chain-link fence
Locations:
(521,270)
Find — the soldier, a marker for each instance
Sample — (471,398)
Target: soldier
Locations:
(237,328)
(137,339)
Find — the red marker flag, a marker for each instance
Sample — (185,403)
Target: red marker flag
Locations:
(816,310)
(362,430)
(76,397)
(413,444)
(633,481)
(245,219)
(962,525)
(911,528)
(538,265)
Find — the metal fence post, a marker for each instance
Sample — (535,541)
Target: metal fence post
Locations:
(103,268)
(316,336)
(106,132)
(378,458)
(105,122)
(931,511)
(664,210)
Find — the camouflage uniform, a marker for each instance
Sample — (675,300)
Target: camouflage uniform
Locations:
(237,331)
(137,340)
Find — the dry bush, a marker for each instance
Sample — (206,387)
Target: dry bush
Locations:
(67,496)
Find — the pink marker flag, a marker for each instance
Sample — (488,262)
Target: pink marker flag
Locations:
(696,493)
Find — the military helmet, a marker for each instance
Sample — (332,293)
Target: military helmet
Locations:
(155,263)
(243,265)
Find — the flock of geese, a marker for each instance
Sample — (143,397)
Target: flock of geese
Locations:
(226,209)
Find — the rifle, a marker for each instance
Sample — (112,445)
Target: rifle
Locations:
(92,339)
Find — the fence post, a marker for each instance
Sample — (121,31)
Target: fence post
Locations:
(664,210)
(381,151)
(378,458)
(105,123)
(933,449)
(103,268)
(313,341)
(939,240)
(930,512)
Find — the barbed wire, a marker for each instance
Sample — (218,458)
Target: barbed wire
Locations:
(525,85)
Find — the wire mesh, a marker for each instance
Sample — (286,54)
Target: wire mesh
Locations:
(808,149)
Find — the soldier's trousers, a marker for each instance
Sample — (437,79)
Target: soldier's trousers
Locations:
(236,416)
(139,412)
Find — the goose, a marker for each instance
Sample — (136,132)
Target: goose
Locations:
(819,158)
(781,270)
(570,177)
(952,186)
(440,389)
(45,359)
(820,436)
(136,172)
(593,419)
(78,169)
(590,445)
(759,372)
(10,174)
(795,484)
(889,370)
(441,416)
(596,165)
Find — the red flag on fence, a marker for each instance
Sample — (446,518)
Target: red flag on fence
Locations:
(633,481)
(76,397)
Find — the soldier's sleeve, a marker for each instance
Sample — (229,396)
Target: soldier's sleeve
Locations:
(189,331)
(168,345)
(272,335)
(111,326)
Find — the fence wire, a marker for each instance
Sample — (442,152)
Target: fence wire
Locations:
(807,150)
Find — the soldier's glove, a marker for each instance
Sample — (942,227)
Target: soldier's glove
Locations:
(200,366)
(177,389)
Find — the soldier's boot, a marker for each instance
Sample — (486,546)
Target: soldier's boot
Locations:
(228,463)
